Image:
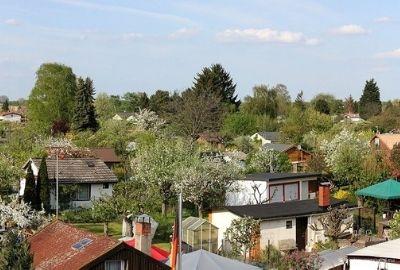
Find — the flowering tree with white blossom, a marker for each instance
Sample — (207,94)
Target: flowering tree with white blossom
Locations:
(206,181)
(146,120)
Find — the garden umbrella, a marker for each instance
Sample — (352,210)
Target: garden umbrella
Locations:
(387,190)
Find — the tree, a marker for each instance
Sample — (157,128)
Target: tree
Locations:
(146,120)
(282,99)
(242,235)
(263,102)
(105,107)
(5,106)
(216,81)
(197,112)
(322,106)
(389,119)
(205,181)
(344,156)
(104,210)
(370,102)
(14,252)
(30,189)
(239,124)
(160,102)
(335,223)
(9,174)
(53,96)
(299,101)
(158,164)
(267,160)
(44,191)
(350,106)
(395,226)
(84,112)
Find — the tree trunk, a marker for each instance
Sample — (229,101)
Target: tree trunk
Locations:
(105,228)
(164,209)
(200,211)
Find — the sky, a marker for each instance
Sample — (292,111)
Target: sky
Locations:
(133,45)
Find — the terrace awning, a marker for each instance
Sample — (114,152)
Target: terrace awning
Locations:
(387,190)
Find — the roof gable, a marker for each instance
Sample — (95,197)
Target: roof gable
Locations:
(78,170)
(52,247)
(387,139)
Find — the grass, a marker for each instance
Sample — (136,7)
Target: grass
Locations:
(114,228)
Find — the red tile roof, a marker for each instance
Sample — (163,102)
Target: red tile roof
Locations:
(52,247)
(106,154)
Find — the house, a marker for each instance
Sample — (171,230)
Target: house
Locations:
(385,255)
(266,137)
(128,116)
(352,117)
(274,187)
(384,142)
(91,177)
(210,139)
(297,156)
(63,246)
(107,155)
(205,260)
(285,225)
(14,117)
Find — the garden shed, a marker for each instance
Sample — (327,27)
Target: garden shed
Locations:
(200,234)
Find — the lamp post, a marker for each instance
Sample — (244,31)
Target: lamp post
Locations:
(180,232)
(57,186)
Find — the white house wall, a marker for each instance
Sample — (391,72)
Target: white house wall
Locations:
(275,230)
(96,192)
(245,193)
(222,220)
(361,264)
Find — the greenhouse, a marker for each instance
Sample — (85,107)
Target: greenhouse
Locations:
(200,234)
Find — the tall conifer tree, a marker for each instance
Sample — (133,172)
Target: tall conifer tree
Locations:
(370,101)
(43,179)
(30,191)
(85,113)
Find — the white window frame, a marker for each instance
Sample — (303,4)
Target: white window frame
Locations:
(122,264)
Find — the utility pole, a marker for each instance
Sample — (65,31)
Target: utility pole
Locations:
(180,232)
(56,185)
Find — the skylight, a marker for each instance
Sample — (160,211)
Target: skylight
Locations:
(82,244)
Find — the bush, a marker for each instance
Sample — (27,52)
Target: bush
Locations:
(79,215)
(164,230)
(342,194)
(327,245)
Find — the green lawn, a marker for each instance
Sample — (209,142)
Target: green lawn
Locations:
(114,228)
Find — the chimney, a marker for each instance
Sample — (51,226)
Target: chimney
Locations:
(143,234)
(324,194)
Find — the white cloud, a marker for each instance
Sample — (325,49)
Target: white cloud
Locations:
(13,22)
(132,36)
(389,54)
(350,29)
(183,33)
(383,19)
(265,35)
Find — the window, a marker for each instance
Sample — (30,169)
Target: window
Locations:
(289,224)
(106,186)
(276,193)
(115,265)
(291,191)
(83,193)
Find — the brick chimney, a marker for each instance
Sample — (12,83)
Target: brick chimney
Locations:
(143,235)
(324,194)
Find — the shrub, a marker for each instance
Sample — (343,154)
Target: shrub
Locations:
(79,215)
(342,194)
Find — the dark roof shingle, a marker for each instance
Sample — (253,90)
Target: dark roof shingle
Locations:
(78,170)
(106,154)
(279,176)
(283,209)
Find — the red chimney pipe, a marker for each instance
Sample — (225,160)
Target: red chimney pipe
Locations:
(324,195)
